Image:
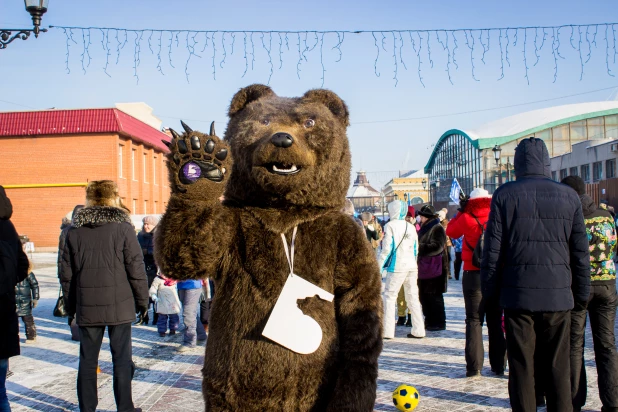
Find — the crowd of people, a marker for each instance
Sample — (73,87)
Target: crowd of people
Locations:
(538,256)
(535,258)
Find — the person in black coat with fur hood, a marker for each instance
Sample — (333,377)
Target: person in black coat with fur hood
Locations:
(432,268)
(104,284)
(536,260)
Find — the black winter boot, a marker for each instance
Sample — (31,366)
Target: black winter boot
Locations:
(401,321)
(409,321)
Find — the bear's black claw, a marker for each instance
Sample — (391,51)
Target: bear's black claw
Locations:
(222,154)
(195,143)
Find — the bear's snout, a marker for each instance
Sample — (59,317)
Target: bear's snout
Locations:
(283,140)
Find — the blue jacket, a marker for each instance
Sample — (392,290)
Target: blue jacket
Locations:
(535,255)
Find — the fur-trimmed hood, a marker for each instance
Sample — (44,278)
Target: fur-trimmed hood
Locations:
(100,215)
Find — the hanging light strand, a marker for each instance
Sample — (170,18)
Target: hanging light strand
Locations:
(395,43)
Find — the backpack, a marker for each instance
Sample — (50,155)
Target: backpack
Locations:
(8,268)
(477,251)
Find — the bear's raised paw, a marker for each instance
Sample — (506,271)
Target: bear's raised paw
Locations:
(197,159)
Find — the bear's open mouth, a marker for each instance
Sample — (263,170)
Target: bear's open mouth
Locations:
(282,168)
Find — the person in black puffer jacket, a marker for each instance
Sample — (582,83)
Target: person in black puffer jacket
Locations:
(26,299)
(104,284)
(536,260)
(600,306)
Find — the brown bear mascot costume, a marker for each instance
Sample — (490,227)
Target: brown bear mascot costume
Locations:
(280,223)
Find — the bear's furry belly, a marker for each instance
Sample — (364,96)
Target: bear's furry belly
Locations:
(243,370)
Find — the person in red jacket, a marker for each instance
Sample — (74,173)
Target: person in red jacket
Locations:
(470,223)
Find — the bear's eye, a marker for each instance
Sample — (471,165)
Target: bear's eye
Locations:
(309,123)
(265,121)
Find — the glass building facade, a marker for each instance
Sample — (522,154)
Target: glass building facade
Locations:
(472,161)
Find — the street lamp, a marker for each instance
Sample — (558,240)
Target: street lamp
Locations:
(424,184)
(36,8)
(497,150)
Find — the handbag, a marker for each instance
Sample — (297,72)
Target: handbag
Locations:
(388,261)
(60,310)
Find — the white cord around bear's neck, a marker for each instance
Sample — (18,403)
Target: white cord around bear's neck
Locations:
(289,255)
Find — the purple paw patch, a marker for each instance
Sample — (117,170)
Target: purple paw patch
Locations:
(192,171)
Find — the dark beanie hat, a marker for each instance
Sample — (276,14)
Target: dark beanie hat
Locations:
(428,211)
(576,183)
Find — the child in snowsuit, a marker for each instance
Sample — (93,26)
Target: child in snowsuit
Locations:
(26,298)
(165,296)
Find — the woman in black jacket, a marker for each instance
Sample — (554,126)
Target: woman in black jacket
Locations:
(432,268)
(13,269)
(104,284)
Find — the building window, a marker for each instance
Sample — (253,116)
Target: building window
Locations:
(563,173)
(585,175)
(156,207)
(554,175)
(597,171)
(573,171)
(134,206)
(154,171)
(120,150)
(611,126)
(610,169)
(596,128)
(145,168)
(133,164)
(145,207)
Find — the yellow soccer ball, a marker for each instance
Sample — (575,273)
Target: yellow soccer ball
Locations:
(406,398)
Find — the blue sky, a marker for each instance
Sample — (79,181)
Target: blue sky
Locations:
(33,73)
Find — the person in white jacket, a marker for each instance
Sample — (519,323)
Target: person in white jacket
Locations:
(398,258)
(165,295)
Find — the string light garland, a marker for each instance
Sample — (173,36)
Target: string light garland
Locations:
(218,45)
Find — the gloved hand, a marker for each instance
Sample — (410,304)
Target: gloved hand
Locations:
(463,201)
(34,303)
(154,298)
(141,315)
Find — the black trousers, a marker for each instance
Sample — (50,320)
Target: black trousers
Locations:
(601,308)
(29,326)
(123,366)
(549,334)
(458,262)
(432,300)
(477,310)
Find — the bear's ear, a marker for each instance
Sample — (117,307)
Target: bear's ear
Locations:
(332,101)
(247,95)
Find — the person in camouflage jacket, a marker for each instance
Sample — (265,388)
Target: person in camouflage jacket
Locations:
(601,306)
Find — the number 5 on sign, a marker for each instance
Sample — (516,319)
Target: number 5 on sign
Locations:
(288,325)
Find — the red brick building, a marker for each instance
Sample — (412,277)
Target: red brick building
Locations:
(48,157)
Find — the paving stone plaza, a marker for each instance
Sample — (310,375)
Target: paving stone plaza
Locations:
(45,374)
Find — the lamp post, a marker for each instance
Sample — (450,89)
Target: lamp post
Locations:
(497,151)
(424,183)
(497,156)
(36,8)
